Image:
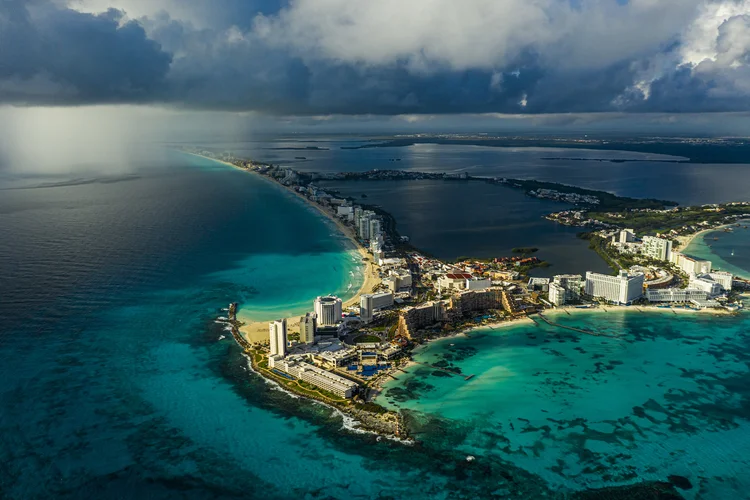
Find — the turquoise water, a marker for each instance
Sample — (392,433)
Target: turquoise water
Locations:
(662,395)
(117,381)
(729,252)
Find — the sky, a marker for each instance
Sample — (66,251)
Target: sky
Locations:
(401,64)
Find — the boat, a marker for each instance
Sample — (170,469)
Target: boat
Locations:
(732,253)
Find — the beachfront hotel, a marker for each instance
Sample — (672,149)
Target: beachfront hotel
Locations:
(690,265)
(556,294)
(677,295)
(318,377)
(277,337)
(656,248)
(371,302)
(308,325)
(620,289)
(328,310)
(723,278)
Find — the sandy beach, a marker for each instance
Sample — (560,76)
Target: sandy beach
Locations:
(685,241)
(257,331)
(632,310)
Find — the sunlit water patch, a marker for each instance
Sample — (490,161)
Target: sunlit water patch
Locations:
(665,396)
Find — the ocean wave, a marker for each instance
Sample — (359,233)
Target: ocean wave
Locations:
(272,383)
(351,424)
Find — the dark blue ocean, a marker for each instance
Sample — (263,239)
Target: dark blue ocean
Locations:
(117,381)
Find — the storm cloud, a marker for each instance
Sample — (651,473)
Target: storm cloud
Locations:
(313,57)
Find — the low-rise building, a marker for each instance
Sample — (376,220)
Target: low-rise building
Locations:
(675,295)
(477,283)
(398,280)
(453,281)
(318,377)
(538,284)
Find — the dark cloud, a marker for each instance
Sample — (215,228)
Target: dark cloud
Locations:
(256,55)
(51,55)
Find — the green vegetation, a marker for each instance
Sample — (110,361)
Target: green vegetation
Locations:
(368,339)
(599,245)
(374,408)
(607,201)
(662,222)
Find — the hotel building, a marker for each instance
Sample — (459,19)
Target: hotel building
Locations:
(571,283)
(277,337)
(657,248)
(712,288)
(620,289)
(557,294)
(722,278)
(675,295)
(627,236)
(412,319)
(691,265)
(318,377)
(371,302)
(308,325)
(328,310)
(453,281)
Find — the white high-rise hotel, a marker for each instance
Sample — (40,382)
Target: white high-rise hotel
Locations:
(277,337)
(328,310)
(371,302)
(307,326)
(657,248)
(620,289)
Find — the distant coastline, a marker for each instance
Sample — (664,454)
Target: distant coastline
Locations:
(706,150)
(612,160)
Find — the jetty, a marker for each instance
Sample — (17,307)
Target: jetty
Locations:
(243,343)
